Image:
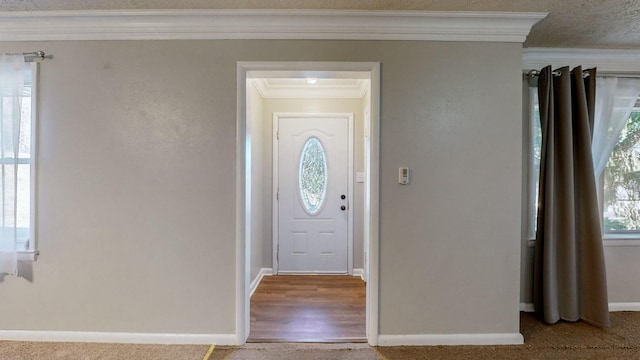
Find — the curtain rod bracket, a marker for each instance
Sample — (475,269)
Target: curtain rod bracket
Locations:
(36,55)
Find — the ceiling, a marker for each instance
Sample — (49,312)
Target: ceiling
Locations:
(604,24)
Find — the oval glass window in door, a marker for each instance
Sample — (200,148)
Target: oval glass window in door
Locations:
(312,175)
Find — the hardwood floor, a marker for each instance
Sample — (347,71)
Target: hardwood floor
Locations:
(308,308)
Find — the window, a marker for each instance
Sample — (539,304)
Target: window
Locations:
(621,192)
(535,151)
(17,162)
(619,185)
(312,176)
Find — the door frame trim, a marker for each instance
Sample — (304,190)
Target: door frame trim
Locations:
(350,188)
(243,187)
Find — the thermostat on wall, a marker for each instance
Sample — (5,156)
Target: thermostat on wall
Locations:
(403,175)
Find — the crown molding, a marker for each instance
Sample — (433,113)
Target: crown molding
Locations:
(266,24)
(605,60)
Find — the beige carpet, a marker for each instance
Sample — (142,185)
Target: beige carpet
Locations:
(10,350)
(561,341)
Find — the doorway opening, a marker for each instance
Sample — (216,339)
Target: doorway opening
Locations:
(304,91)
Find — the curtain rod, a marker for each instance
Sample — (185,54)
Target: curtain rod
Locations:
(39,55)
(536,73)
(531,76)
(31,56)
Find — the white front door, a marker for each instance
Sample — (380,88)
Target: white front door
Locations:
(313,194)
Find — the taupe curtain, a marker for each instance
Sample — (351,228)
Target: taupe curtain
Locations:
(569,270)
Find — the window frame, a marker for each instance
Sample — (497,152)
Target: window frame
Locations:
(28,250)
(532,181)
(612,238)
(31,248)
(616,234)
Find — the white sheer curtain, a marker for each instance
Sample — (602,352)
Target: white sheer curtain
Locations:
(11,90)
(615,98)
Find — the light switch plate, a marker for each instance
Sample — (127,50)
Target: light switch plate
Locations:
(360,177)
(403,175)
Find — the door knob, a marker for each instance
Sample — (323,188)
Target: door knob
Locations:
(343,208)
(343,197)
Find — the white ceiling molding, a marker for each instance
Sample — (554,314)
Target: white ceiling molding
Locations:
(605,60)
(299,88)
(266,24)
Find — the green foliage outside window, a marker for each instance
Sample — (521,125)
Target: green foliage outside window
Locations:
(622,180)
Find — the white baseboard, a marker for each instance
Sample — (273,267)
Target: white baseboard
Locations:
(451,339)
(617,306)
(118,337)
(624,306)
(359,272)
(527,307)
(254,284)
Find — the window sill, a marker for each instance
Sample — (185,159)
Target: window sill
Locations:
(608,240)
(632,239)
(28,255)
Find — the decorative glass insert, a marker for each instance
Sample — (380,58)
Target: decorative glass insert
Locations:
(312,175)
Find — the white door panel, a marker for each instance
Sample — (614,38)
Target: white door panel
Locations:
(312,223)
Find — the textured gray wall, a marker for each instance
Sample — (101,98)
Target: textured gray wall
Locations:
(137,185)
